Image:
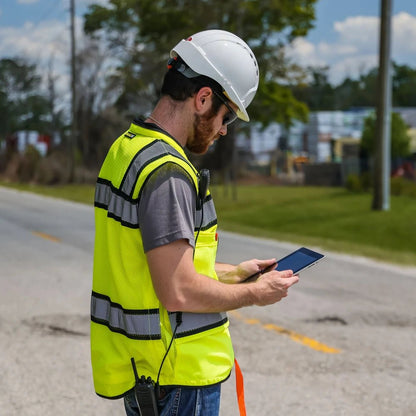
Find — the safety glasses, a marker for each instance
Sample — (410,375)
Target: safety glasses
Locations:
(231,115)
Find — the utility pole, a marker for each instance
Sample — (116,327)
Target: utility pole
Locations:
(73,137)
(381,197)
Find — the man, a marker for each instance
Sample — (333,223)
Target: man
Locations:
(159,298)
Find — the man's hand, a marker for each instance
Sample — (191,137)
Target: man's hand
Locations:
(251,267)
(239,273)
(273,286)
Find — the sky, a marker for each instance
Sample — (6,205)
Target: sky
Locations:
(345,37)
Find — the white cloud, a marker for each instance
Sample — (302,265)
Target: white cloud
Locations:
(42,44)
(88,2)
(359,31)
(327,50)
(34,41)
(404,34)
(354,50)
(305,52)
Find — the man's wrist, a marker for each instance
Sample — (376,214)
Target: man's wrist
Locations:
(229,277)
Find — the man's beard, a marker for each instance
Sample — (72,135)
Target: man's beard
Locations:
(203,134)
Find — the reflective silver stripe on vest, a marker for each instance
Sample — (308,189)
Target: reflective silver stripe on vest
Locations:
(155,150)
(136,324)
(145,324)
(125,210)
(119,202)
(193,323)
(117,205)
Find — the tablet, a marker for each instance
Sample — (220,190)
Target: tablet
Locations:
(297,261)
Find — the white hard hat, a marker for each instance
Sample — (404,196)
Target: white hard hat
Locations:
(225,58)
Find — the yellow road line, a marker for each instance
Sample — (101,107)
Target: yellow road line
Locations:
(46,236)
(302,339)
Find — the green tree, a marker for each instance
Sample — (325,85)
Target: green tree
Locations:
(346,94)
(360,92)
(141,34)
(22,106)
(320,95)
(94,92)
(317,93)
(400,139)
(404,86)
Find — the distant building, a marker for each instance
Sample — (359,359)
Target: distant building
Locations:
(327,127)
(324,138)
(20,140)
(263,143)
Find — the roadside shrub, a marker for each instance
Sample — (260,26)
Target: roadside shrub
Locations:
(27,164)
(53,169)
(3,162)
(403,186)
(354,183)
(366,180)
(86,175)
(359,183)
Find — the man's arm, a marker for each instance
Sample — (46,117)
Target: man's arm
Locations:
(180,288)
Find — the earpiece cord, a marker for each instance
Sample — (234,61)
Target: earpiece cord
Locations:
(200,197)
(179,314)
(178,322)
(199,228)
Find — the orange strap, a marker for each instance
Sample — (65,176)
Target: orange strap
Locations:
(239,383)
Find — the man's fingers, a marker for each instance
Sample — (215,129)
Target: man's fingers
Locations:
(294,279)
(286,273)
(267,262)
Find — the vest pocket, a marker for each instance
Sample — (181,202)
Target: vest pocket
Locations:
(205,253)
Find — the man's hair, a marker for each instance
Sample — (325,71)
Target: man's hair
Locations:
(179,87)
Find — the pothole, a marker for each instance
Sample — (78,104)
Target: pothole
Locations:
(60,325)
(329,319)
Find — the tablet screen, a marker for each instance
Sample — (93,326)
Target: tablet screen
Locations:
(298,260)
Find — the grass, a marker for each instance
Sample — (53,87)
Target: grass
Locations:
(331,218)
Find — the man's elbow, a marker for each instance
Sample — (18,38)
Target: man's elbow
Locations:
(173,301)
(173,305)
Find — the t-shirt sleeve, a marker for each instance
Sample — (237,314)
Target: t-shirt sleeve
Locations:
(167,207)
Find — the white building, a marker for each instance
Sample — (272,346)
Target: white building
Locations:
(315,139)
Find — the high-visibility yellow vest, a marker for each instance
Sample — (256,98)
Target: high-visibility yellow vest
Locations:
(127,318)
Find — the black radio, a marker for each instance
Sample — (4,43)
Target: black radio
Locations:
(144,391)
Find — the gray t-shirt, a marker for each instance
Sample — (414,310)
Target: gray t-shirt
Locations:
(167,207)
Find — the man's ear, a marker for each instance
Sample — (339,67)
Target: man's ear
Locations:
(202,99)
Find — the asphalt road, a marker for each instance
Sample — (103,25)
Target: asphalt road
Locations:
(342,343)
